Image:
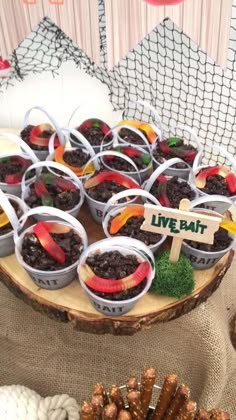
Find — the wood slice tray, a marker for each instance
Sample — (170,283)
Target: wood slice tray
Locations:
(72,305)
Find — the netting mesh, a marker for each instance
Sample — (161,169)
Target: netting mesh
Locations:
(166,69)
(102,32)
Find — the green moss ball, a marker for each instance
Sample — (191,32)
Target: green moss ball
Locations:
(173,279)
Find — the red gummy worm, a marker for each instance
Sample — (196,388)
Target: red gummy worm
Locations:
(41,141)
(64,184)
(16,178)
(167,149)
(47,242)
(112,286)
(162,186)
(110,176)
(41,191)
(231,182)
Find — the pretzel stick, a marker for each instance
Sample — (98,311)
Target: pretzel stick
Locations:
(188,411)
(147,382)
(182,395)
(202,414)
(166,396)
(132,384)
(86,411)
(216,414)
(124,415)
(99,389)
(110,412)
(116,397)
(135,407)
(97,403)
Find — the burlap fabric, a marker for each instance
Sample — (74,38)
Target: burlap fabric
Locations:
(52,358)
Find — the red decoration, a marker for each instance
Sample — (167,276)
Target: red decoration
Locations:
(4,64)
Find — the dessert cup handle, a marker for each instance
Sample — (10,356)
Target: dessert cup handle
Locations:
(24,146)
(132,192)
(160,170)
(209,199)
(191,132)
(52,211)
(226,154)
(51,148)
(73,114)
(53,121)
(197,160)
(154,112)
(81,140)
(112,153)
(9,210)
(116,143)
(222,152)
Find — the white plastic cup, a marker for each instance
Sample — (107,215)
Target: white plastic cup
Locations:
(202,260)
(7,245)
(26,188)
(147,185)
(126,246)
(115,212)
(217,203)
(96,149)
(181,173)
(96,207)
(15,189)
(219,206)
(118,141)
(157,126)
(51,280)
(81,143)
(42,154)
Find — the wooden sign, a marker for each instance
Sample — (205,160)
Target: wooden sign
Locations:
(181,224)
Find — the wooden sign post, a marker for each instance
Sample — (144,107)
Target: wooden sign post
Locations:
(181,224)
